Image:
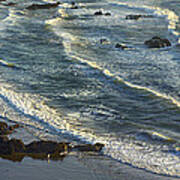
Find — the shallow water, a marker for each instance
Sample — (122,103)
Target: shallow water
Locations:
(63,82)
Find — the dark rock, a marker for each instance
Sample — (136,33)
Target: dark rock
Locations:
(104,41)
(136,17)
(16,146)
(43,6)
(48,147)
(8,147)
(133,17)
(107,14)
(98,13)
(89,147)
(74,5)
(120,46)
(16,150)
(157,42)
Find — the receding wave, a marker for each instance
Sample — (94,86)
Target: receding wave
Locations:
(69,39)
(155,156)
(152,157)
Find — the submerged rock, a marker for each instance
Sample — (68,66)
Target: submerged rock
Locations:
(107,14)
(43,6)
(89,147)
(98,13)
(137,16)
(134,17)
(121,46)
(157,42)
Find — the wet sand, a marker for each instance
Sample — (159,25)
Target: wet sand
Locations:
(71,168)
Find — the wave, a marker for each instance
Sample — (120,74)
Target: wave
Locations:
(142,155)
(69,39)
(126,149)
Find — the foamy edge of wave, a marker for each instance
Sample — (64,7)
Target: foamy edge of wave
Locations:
(160,163)
(34,107)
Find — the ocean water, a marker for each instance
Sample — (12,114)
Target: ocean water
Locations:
(58,80)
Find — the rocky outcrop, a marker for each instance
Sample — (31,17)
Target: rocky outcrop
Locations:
(48,147)
(157,42)
(12,146)
(16,150)
(43,6)
(100,13)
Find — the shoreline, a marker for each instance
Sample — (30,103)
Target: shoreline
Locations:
(76,165)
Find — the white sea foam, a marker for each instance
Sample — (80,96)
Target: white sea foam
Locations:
(70,39)
(126,150)
(148,156)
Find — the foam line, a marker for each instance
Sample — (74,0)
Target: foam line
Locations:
(34,107)
(106,72)
(148,157)
(125,151)
(68,39)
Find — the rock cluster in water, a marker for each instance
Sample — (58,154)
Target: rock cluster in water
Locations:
(157,42)
(100,13)
(16,150)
